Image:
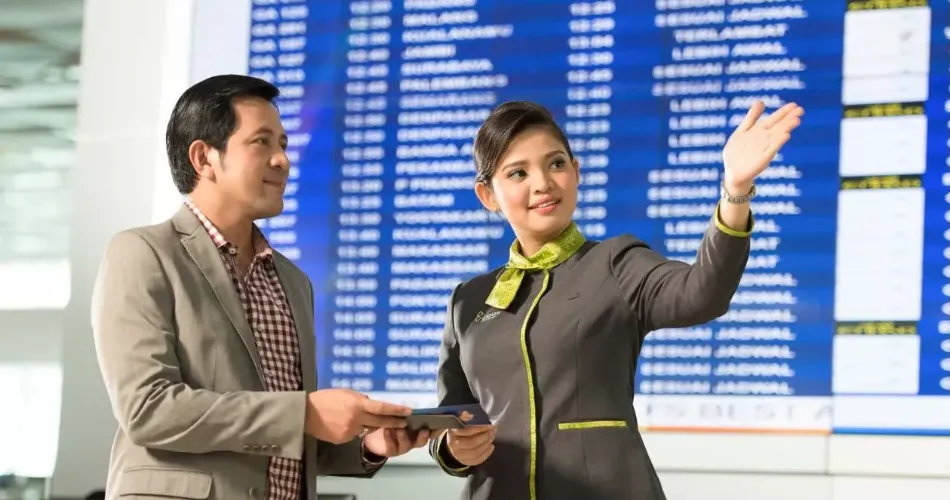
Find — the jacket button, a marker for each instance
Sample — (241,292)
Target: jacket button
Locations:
(255,492)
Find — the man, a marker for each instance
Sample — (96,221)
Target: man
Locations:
(205,334)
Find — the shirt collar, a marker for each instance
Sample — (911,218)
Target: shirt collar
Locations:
(262,247)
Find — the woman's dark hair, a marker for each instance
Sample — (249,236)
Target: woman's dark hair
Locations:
(501,127)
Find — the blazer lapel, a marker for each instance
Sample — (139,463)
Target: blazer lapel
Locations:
(301,306)
(202,250)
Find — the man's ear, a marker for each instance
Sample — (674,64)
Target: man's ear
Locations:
(203,157)
(487,196)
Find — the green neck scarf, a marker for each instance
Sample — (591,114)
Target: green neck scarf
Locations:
(549,256)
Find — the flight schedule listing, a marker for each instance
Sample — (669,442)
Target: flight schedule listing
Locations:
(840,323)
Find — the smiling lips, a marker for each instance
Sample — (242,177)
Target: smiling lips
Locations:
(545,205)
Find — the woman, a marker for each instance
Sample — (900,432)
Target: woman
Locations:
(548,344)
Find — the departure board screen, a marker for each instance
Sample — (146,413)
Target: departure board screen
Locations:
(840,324)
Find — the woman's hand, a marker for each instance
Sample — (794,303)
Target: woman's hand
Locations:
(754,144)
(472,445)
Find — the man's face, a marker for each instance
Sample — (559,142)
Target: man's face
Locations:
(252,174)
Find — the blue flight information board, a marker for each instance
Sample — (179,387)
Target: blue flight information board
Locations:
(841,322)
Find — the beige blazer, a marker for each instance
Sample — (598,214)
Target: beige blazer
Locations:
(184,376)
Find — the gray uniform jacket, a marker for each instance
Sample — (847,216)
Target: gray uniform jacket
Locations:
(572,425)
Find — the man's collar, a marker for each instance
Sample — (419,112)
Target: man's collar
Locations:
(261,245)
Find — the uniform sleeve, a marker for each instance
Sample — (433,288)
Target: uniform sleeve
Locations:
(345,460)
(665,293)
(453,389)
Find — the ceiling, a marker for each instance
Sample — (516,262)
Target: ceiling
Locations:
(39,61)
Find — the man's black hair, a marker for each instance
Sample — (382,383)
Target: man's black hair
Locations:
(205,112)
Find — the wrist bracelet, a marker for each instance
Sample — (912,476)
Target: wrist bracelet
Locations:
(736,199)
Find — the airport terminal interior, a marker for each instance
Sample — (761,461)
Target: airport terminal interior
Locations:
(828,378)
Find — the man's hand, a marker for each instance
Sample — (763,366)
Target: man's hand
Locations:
(394,442)
(340,415)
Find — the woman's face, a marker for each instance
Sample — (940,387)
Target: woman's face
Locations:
(535,187)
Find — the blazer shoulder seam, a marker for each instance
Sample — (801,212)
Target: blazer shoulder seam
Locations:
(151,249)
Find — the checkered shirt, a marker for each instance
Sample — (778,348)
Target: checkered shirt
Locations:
(275,334)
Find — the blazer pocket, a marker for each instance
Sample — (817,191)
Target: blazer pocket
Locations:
(165,482)
(590,424)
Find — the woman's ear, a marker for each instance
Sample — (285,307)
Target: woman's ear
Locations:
(486,196)
(577,170)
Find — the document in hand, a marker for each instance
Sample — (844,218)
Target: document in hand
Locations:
(447,417)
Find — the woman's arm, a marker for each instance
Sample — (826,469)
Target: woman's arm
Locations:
(664,293)
(736,216)
(453,389)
